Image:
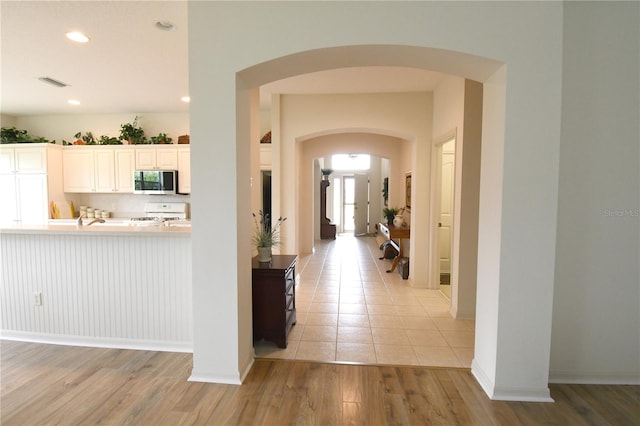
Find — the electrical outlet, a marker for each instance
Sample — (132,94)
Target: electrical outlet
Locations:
(37,298)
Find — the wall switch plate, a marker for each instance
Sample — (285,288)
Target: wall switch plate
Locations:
(37,298)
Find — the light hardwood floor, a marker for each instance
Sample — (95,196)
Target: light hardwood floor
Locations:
(51,384)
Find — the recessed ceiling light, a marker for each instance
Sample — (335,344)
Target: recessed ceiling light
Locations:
(165,26)
(73,102)
(77,37)
(185,99)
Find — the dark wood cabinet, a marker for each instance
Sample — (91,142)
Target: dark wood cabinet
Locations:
(274,298)
(327,229)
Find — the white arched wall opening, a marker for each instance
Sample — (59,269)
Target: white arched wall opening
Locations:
(519,159)
(344,142)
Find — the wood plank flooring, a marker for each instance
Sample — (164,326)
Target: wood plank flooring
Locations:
(50,384)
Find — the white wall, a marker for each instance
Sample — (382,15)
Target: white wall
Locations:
(7,121)
(257,50)
(596,313)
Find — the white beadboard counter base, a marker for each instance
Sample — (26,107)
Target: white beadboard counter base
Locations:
(59,284)
(113,230)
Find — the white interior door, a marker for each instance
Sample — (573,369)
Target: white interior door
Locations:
(445,233)
(361,204)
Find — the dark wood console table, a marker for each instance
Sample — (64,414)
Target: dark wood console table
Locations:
(274,298)
(395,235)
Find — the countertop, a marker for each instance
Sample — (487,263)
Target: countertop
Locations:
(101,229)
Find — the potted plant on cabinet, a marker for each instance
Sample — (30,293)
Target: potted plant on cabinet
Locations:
(132,133)
(266,235)
(162,138)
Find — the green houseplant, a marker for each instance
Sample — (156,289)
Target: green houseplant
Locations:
(266,235)
(162,138)
(390,213)
(132,133)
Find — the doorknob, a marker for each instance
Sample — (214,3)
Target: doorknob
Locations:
(439,224)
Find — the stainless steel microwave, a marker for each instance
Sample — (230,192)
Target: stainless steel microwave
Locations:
(155,182)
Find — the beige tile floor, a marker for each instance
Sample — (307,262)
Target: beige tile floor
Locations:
(349,310)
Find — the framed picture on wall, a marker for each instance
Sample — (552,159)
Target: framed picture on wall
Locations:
(407,191)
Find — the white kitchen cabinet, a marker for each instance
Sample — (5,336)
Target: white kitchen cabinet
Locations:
(23,159)
(124,165)
(184,170)
(24,198)
(30,177)
(78,169)
(98,169)
(156,158)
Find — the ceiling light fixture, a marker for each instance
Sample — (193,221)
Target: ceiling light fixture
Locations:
(186,99)
(78,37)
(73,102)
(52,81)
(165,26)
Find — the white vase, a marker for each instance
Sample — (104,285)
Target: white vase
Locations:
(264,254)
(398,221)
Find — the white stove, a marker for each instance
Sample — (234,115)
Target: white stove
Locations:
(162,214)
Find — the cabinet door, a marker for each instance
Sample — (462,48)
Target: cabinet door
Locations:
(184,170)
(145,158)
(78,170)
(32,198)
(167,158)
(7,160)
(31,160)
(124,167)
(8,195)
(105,170)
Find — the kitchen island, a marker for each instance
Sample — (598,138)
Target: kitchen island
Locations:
(110,286)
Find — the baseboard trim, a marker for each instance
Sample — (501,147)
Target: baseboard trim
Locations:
(97,342)
(214,378)
(496,393)
(593,379)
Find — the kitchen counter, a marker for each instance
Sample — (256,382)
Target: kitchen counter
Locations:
(96,229)
(108,285)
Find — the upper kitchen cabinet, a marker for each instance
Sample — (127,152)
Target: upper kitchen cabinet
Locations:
(114,169)
(156,158)
(23,159)
(30,177)
(99,169)
(184,170)
(78,169)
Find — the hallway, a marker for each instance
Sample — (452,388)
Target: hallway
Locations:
(349,310)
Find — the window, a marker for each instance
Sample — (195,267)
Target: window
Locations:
(351,162)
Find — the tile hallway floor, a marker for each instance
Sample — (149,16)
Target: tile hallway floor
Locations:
(350,310)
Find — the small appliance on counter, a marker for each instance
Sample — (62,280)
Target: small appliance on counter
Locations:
(163,214)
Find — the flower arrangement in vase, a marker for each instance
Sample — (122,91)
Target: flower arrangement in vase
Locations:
(266,235)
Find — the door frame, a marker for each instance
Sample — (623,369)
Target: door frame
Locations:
(435,201)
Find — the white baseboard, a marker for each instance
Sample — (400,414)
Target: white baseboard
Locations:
(631,378)
(97,342)
(496,393)
(214,378)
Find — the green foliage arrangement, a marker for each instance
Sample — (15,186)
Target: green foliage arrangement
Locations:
(13,135)
(162,138)
(87,138)
(390,213)
(109,140)
(266,235)
(132,133)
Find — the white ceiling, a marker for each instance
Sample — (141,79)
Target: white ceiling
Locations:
(129,65)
